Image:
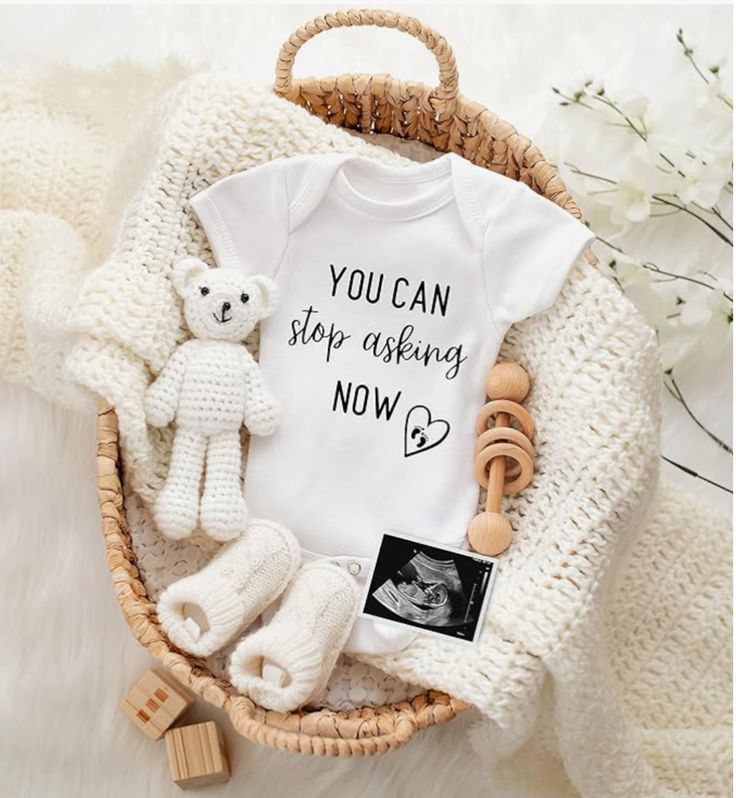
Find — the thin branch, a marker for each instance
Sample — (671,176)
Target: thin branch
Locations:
(664,214)
(718,213)
(653,267)
(642,134)
(721,235)
(715,210)
(572,100)
(576,170)
(675,391)
(695,474)
(688,53)
(612,105)
(661,198)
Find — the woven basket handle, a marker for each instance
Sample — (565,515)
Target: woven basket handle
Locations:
(448,86)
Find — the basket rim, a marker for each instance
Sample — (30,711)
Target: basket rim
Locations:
(358,732)
(522,161)
(440,116)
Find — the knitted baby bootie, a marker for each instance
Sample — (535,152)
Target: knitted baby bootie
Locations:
(203,612)
(288,661)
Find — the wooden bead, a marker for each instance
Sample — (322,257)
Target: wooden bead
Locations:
(508,381)
(489,534)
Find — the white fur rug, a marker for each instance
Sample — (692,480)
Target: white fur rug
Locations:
(61,734)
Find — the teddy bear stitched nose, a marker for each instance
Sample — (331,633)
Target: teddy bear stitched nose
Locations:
(222,318)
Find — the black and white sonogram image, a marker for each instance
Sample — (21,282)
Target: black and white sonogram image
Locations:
(429,587)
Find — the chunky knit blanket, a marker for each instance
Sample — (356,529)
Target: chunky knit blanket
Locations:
(604,665)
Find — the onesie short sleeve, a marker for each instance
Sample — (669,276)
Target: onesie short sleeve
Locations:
(529,248)
(246,218)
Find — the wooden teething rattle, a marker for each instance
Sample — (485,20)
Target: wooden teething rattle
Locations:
(507,384)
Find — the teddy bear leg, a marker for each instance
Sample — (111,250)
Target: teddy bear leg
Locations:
(288,661)
(223,514)
(177,506)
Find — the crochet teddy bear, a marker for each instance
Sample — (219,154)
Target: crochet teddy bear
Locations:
(211,386)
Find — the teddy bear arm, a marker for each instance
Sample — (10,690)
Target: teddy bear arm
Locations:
(261,413)
(162,396)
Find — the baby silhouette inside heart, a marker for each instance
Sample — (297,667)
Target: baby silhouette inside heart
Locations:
(421,433)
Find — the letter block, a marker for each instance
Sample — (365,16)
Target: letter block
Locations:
(156,700)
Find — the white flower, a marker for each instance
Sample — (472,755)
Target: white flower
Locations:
(626,270)
(574,182)
(630,199)
(683,151)
(582,86)
(684,315)
(656,299)
(702,324)
(712,335)
(633,105)
(657,302)
(709,94)
(593,85)
(674,346)
(696,311)
(721,306)
(630,203)
(700,175)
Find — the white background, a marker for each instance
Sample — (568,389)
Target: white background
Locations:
(72,657)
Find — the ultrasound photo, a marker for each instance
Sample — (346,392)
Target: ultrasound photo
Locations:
(429,587)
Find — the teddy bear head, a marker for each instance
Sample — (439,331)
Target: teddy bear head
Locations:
(222,304)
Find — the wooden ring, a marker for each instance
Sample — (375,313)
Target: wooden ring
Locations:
(513,469)
(504,450)
(505,435)
(504,406)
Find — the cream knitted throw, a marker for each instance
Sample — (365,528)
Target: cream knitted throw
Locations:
(607,644)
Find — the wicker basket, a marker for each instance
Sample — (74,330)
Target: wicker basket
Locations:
(443,119)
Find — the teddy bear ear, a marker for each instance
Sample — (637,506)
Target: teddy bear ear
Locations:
(269,294)
(186,270)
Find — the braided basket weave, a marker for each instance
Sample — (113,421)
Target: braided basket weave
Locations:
(446,121)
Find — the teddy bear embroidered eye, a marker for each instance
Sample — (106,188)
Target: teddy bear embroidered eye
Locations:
(210,387)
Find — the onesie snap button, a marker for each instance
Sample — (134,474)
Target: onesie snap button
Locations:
(354,568)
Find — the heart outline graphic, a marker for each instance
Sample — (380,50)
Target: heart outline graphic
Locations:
(420,439)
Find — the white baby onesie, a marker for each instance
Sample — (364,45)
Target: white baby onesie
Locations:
(397,285)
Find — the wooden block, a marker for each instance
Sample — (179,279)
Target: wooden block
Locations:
(155,701)
(197,755)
